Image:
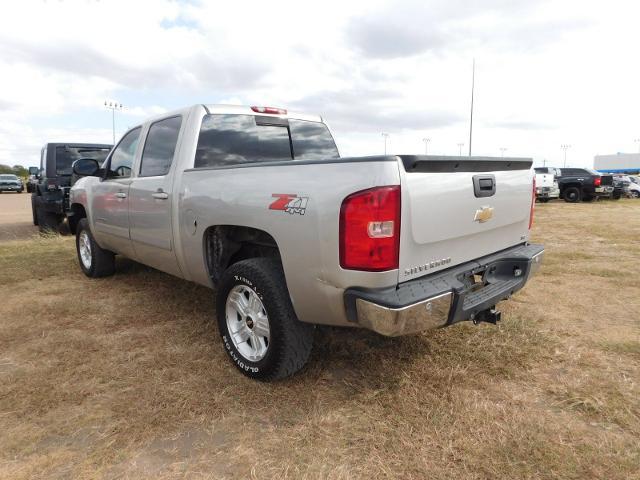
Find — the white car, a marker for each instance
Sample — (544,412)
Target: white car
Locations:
(634,186)
(547,184)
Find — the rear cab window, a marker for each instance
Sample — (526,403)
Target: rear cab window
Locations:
(232,139)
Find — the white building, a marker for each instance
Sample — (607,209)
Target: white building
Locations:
(619,162)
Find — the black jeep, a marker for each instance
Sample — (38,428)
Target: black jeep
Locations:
(50,190)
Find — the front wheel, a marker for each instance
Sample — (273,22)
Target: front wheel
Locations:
(259,329)
(94,261)
(635,194)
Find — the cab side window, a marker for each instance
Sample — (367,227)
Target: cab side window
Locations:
(121,160)
(160,147)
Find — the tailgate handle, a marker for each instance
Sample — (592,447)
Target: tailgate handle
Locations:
(484,185)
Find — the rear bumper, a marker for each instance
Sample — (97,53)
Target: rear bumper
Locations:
(445,297)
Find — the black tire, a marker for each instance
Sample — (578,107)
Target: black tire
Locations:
(102,262)
(33,210)
(635,194)
(47,221)
(572,195)
(290,340)
(543,200)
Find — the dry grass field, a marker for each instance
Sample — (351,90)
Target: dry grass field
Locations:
(125,377)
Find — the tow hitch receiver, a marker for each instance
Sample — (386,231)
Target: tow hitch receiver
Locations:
(491,315)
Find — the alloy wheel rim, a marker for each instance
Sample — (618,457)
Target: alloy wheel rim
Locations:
(84,245)
(247,323)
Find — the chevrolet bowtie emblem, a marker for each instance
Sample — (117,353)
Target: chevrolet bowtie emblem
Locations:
(483,214)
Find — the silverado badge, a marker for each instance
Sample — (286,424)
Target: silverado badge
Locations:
(483,214)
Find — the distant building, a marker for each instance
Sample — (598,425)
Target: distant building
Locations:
(617,163)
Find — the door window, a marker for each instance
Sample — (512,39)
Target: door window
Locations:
(160,147)
(122,157)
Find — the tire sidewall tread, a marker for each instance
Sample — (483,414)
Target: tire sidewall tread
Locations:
(290,340)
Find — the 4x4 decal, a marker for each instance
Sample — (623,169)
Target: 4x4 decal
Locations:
(290,203)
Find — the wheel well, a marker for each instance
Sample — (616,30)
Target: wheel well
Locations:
(77,213)
(225,245)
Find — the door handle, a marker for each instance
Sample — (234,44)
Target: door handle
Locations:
(160,195)
(121,195)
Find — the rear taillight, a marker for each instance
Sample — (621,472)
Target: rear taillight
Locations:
(271,110)
(533,203)
(597,181)
(370,229)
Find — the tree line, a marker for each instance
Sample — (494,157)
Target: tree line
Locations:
(18,170)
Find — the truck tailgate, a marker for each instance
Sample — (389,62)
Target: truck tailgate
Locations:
(447,220)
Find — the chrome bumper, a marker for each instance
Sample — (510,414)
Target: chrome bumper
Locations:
(446,297)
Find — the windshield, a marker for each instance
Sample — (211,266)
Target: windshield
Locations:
(65,156)
(8,177)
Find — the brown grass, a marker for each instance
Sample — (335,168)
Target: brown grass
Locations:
(125,377)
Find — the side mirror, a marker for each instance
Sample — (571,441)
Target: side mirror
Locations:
(85,167)
(34,171)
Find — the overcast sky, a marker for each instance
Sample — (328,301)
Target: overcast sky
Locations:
(547,72)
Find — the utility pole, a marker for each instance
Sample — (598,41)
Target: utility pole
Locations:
(502,150)
(565,147)
(460,145)
(473,83)
(113,106)
(385,135)
(426,145)
(544,162)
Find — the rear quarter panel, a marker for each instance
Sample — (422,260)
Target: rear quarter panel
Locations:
(309,243)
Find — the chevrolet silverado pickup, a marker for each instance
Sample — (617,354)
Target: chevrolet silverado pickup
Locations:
(256,203)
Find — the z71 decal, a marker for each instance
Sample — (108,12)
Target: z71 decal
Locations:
(290,203)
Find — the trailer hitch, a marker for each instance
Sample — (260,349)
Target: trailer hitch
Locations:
(490,315)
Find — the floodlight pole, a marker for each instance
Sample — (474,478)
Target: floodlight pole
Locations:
(426,145)
(385,135)
(473,83)
(565,147)
(113,106)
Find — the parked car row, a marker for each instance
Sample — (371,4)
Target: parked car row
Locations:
(583,184)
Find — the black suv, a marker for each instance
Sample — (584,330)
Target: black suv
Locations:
(584,184)
(50,190)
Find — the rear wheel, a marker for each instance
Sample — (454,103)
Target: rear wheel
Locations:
(572,195)
(635,194)
(47,221)
(258,326)
(33,210)
(94,261)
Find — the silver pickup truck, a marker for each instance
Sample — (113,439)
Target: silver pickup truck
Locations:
(257,203)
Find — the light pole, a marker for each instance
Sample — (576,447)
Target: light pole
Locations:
(113,106)
(460,145)
(565,147)
(637,140)
(385,135)
(426,145)
(502,150)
